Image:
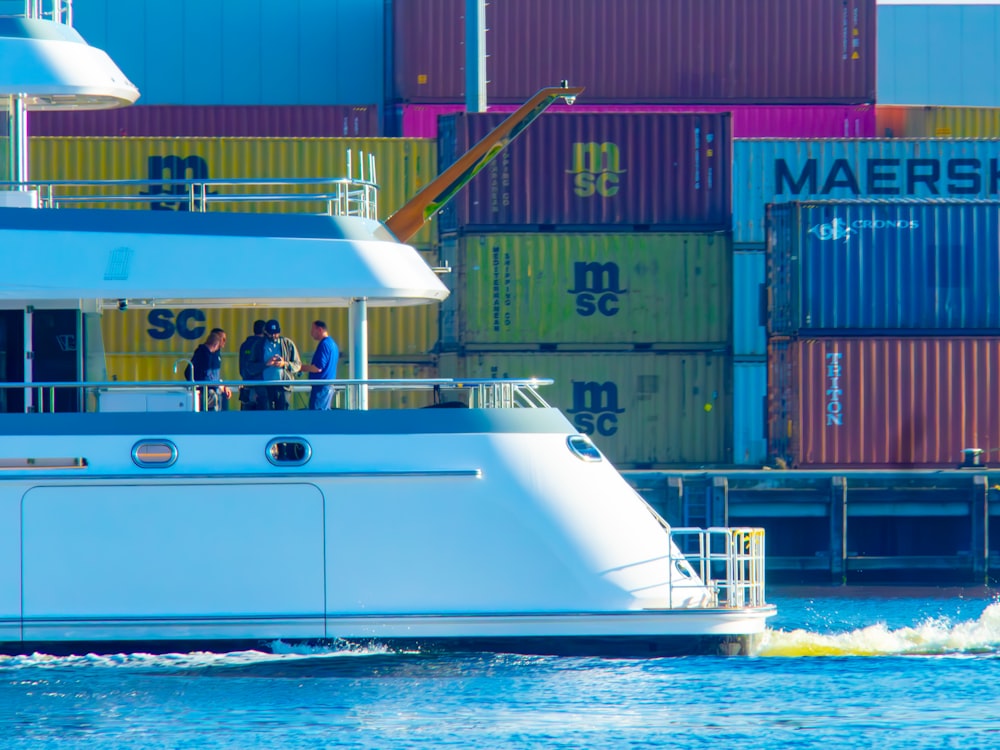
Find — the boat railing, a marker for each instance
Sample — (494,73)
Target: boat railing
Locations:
(350,196)
(184,395)
(728,560)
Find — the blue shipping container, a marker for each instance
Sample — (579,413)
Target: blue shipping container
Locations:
(918,268)
(778,170)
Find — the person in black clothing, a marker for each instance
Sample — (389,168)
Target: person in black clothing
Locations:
(248,395)
(206,366)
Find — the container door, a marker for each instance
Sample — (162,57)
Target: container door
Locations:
(11,359)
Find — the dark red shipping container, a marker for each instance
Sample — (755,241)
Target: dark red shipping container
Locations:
(644,51)
(595,172)
(203,121)
(883,402)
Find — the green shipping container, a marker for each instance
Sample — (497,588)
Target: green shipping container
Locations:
(593,290)
(643,410)
(403,166)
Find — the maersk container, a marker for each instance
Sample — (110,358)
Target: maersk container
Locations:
(778,171)
(644,51)
(897,403)
(749,120)
(403,167)
(646,289)
(750,303)
(750,412)
(643,410)
(910,267)
(193,121)
(595,172)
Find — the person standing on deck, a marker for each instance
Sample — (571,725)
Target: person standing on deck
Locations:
(206,366)
(248,394)
(275,357)
(323,366)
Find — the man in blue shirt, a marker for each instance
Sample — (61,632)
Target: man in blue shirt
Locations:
(323,367)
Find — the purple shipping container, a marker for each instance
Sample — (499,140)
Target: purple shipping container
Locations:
(595,172)
(644,51)
(840,267)
(196,121)
(883,402)
(749,120)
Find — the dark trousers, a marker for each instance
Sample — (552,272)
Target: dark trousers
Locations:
(275,398)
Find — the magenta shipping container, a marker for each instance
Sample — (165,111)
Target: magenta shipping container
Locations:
(749,120)
(224,121)
(597,172)
(644,51)
(883,402)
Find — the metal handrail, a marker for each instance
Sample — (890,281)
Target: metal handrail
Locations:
(482,393)
(341,196)
(728,560)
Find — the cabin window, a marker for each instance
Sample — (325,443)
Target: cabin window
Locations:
(288,451)
(154,454)
(581,447)
(44,462)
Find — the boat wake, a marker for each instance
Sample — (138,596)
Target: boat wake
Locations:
(933,637)
(278,653)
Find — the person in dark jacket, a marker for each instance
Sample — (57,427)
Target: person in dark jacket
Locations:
(274,358)
(248,395)
(206,366)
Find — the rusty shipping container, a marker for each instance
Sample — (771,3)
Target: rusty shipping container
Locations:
(749,120)
(595,172)
(643,410)
(403,167)
(777,171)
(929,267)
(900,121)
(589,290)
(883,402)
(204,121)
(644,51)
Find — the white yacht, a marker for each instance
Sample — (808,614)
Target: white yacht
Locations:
(131,518)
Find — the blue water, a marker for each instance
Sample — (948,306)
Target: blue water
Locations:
(840,668)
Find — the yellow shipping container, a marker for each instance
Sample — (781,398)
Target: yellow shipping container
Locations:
(392,332)
(589,289)
(643,410)
(898,121)
(160,367)
(403,166)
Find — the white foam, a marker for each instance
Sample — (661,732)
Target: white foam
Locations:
(931,637)
(279,651)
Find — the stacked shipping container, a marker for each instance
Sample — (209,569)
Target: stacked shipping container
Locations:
(773,171)
(873,306)
(634,324)
(145,343)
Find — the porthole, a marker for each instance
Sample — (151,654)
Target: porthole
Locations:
(582,448)
(154,454)
(288,451)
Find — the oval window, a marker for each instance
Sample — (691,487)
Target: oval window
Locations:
(582,448)
(154,454)
(288,451)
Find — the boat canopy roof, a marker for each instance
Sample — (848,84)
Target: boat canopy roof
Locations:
(154,258)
